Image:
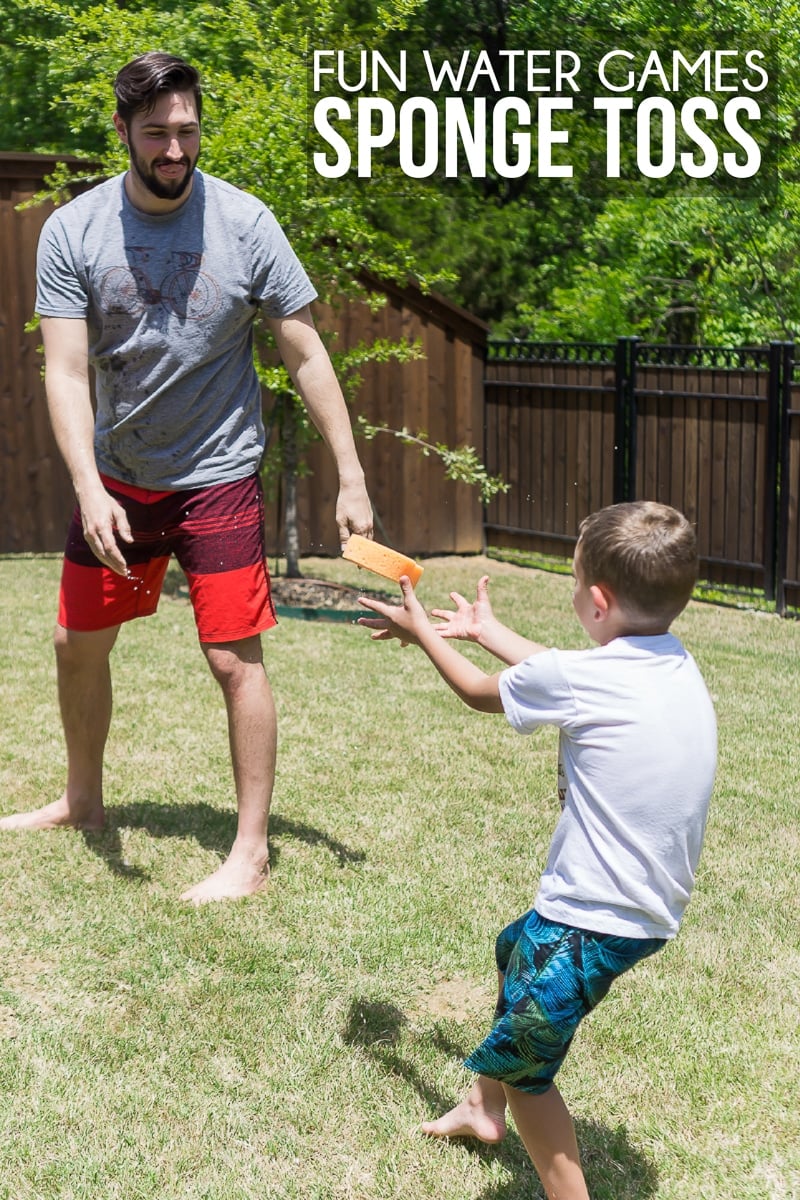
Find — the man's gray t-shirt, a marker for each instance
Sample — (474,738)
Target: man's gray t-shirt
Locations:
(170,302)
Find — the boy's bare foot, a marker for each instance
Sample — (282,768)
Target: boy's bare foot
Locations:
(231,881)
(469,1119)
(58,815)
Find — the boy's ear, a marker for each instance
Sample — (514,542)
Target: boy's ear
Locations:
(602,600)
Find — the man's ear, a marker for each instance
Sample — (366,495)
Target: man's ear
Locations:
(121,128)
(602,600)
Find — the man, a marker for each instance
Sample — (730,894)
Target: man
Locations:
(155,278)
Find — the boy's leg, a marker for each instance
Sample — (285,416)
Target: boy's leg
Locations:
(252,732)
(543,1122)
(84,692)
(481,1114)
(545,1126)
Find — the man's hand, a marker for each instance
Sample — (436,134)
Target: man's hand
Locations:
(469,620)
(403,622)
(104,521)
(353,511)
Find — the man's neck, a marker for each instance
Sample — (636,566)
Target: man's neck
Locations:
(143,199)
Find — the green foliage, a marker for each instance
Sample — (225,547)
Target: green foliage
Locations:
(544,258)
(591,260)
(687,269)
(460,464)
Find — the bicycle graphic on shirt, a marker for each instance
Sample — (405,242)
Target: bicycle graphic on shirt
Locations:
(184,290)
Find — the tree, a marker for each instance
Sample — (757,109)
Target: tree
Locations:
(577,258)
(585,258)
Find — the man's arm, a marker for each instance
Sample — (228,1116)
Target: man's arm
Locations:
(69,402)
(307,361)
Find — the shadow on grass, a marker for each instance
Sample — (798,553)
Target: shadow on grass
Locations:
(378,1029)
(212,829)
(614,1169)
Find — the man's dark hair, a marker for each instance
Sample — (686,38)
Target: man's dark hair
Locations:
(139,84)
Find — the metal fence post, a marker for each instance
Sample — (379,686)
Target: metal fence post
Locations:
(782,356)
(625,420)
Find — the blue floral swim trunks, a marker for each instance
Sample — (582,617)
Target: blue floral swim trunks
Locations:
(553,976)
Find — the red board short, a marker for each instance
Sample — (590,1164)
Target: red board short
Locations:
(217,535)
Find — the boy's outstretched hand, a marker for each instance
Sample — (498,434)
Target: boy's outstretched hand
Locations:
(394,620)
(409,623)
(469,620)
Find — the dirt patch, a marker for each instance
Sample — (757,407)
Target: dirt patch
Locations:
(320,593)
(458,999)
(9,1025)
(305,593)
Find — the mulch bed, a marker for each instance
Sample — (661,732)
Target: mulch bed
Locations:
(321,594)
(306,597)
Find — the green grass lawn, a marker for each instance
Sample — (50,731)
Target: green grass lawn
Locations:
(289,1045)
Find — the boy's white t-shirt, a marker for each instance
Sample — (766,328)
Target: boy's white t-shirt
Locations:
(637,755)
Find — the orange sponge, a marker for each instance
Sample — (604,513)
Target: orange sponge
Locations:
(380,559)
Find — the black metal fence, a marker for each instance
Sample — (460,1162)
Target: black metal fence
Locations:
(714,431)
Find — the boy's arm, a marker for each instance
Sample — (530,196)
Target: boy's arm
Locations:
(410,624)
(477,623)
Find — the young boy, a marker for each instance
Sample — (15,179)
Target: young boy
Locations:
(637,756)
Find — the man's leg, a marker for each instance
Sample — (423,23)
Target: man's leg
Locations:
(252,729)
(84,693)
(545,1126)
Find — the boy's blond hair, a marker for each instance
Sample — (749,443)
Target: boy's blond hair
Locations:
(645,552)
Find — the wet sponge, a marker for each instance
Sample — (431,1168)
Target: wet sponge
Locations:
(380,559)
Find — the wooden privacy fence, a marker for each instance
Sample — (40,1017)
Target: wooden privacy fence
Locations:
(35,495)
(713,431)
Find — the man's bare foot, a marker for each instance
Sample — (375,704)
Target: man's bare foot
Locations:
(231,881)
(58,815)
(469,1119)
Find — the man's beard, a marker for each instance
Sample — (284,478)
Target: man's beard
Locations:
(164,189)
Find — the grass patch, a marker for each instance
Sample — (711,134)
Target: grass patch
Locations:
(713,593)
(289,1045)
